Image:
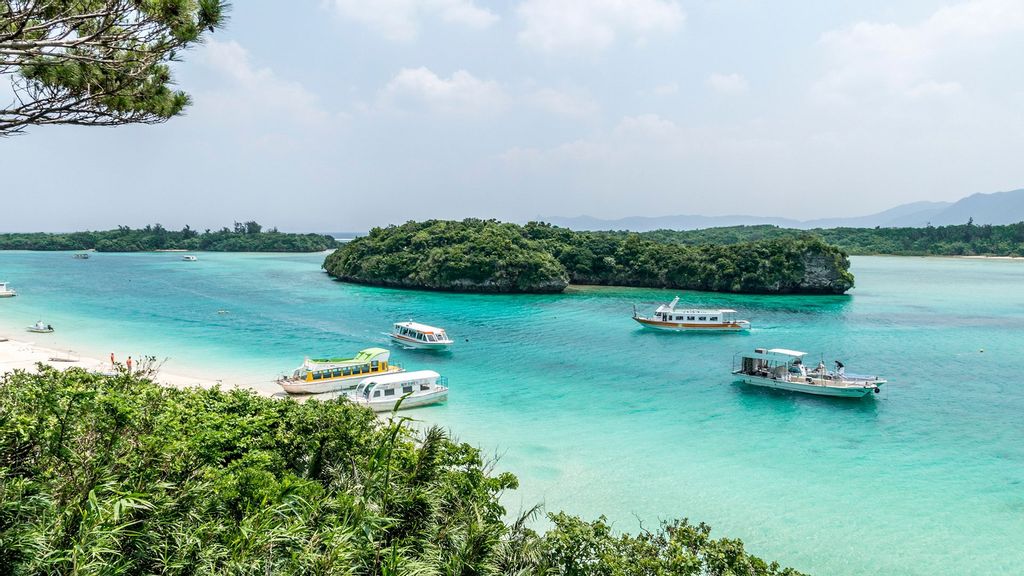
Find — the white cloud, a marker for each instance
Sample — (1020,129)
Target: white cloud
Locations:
(729,84)
(252,92)
(593,25)
(909,60)
(461,93)
(564,103)
(670,89)
(399,20)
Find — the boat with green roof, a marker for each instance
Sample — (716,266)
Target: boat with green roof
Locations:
(318,375)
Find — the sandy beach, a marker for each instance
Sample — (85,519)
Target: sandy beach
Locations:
(25,355)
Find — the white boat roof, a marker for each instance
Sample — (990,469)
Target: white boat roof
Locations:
(665,308)
(785,352)
(400,377)
(419,327)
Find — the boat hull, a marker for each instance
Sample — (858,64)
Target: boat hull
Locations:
(8,294)
(342,383)
(417,401)
(39,331)
(849,391)
(413,343)
(692,327)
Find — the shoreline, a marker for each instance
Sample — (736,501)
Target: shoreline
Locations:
(21,354)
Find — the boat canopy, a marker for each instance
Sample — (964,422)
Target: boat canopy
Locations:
(363,356)
(423,328)
(777,354)
(400,377)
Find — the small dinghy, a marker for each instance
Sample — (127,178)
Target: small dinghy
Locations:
(40,328)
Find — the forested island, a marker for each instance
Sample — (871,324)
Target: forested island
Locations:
(244,237)
(968,239)
(118,475)
(475,255)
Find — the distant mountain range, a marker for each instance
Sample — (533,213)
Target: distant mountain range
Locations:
(995,208)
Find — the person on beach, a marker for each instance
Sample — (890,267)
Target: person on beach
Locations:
(113,362)
(128,363)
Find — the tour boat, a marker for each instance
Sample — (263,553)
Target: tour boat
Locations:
(40,327)
(415,335)
(784,369)
(189,258)
(6,292)
(414,389)
(82,256)
(666,317)
(317,375)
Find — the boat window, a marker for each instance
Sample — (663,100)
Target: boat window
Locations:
(389,392)
(346,371)
(374,365)
(407,389)
(316,375)
(714,318)
(336,372)
(424,386)
(376,393)
(690,318)
(430,338)
(703,317)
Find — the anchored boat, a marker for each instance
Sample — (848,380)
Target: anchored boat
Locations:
(416,335)
(414,389)
(666,317)
(6,292)
(784,369)
(40,327)
(189,258)
(317,375)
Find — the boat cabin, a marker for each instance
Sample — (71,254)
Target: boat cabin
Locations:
(420,333)
(5,291)
(367,362)
(776,363)
(394,386)
(668,313)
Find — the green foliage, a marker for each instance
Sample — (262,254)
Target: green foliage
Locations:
(97,62)
(956,240)
(246,237)
(471,255)
(117,475)
(486,254)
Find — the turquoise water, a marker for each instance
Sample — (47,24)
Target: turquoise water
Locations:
(597,416)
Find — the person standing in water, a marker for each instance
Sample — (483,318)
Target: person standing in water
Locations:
(128,363)
(113,363)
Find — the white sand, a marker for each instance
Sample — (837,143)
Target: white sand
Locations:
(24,355)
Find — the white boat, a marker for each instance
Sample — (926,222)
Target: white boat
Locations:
(40,327)
(189,258)
(318,375)
(416,335)
(784,369)
(667,317)
(82,256)
(414,389)
(6,292)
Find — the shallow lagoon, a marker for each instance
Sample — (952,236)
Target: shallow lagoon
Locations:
(597,416)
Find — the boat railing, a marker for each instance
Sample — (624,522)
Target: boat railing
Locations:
(442,381)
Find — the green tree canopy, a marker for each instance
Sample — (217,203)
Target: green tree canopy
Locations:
(97,62)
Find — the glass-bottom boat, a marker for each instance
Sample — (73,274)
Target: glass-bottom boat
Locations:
(415,335)
(318,375)
(666,317)
(785,370)
(414,389)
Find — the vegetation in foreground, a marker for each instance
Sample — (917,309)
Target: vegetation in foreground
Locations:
(244,237)
(97,62)
(117,475)
(956,240)
(491,256)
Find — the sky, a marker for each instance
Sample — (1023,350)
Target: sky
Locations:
(341,115)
